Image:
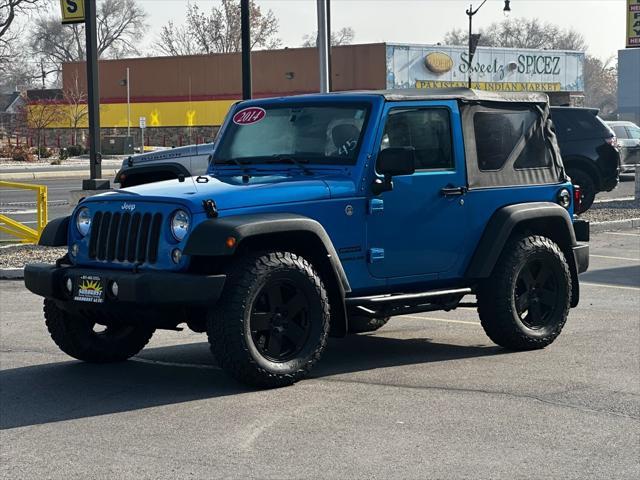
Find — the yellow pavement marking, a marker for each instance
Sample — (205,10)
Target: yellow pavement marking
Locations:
(606,285)
(616,258)
(432,319)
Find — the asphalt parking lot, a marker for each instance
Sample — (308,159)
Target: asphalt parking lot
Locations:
(427,396)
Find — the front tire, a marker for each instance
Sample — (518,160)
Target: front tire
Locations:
(525,302)
(271,323)
(77,336)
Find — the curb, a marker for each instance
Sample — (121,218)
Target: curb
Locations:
(84,173)
(11,273)
(615,225)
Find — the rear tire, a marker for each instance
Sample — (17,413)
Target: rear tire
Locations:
(587,186)
(271,324)
(75,335)
(525,302)
(361,324)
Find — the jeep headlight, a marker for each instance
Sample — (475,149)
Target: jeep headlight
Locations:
(179,224)
(83,221)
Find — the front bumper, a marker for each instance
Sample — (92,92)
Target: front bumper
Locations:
(144,288)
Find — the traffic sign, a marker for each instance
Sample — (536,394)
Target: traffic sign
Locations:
(72,11)
(143,122)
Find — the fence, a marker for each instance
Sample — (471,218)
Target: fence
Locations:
(17,229)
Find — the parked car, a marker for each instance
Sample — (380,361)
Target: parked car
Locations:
(164,165)
(323,215)
(628,134)
(589,150)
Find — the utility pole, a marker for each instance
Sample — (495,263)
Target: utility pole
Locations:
(95,181)
(128,106)
(323,45)
(245,34)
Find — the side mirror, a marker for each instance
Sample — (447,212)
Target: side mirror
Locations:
(392,162)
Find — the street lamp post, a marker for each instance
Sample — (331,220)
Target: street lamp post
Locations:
(125,83)
(473,39)
(128,106)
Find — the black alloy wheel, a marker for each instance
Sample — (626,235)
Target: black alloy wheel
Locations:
(536,294)
(279,321)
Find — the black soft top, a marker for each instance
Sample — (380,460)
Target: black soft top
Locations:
(464,94)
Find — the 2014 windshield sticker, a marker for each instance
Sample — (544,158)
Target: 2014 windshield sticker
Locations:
(249,116)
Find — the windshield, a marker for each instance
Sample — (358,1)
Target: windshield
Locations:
(329,134)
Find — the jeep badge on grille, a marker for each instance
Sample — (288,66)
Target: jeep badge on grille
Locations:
(130,207)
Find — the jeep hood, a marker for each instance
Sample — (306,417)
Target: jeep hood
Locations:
(232,192)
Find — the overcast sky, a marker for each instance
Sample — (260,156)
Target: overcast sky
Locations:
(424,21)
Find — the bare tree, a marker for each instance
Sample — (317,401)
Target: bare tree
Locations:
(76,107)
(10,9)
(10,36)
(601,85)
(344,36)
(121,24)
(41,114)
(217,32)
(522,33)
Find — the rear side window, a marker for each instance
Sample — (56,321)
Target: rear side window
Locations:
(428,130)
(634,132)
(499,135)
(620,131)
(574,124)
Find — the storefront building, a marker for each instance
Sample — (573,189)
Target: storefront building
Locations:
(184,99)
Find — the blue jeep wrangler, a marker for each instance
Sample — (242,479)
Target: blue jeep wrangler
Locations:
(323,215)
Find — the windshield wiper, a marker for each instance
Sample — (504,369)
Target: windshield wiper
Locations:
(234,161)
(289,159)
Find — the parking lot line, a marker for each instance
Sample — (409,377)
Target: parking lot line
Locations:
(616,258)
(432,319)
(175,364)
(608,285)
(624,234)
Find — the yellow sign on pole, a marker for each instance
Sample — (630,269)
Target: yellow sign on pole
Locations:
(633,23)
(72,11)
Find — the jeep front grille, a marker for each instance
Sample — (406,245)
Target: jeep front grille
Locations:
(125,237)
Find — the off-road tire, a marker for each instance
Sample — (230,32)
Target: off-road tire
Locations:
(75,336)
(497,296)
(229,323)
(362,324)
(587,187)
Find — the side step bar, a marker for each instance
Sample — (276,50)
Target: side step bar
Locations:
(404,303)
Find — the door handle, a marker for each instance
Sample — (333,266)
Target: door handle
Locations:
(452,191)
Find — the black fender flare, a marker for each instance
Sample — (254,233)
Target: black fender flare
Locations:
(55,233)
(209,238)
(547,218)
(170,167)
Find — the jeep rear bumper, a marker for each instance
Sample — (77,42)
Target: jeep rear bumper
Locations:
(144,288)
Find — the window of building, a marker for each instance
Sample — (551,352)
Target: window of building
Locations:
(427,130)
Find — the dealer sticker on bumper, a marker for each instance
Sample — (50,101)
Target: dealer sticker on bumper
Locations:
(90,289)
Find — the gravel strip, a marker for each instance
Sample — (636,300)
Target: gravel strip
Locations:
(16,256)
(614,210)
